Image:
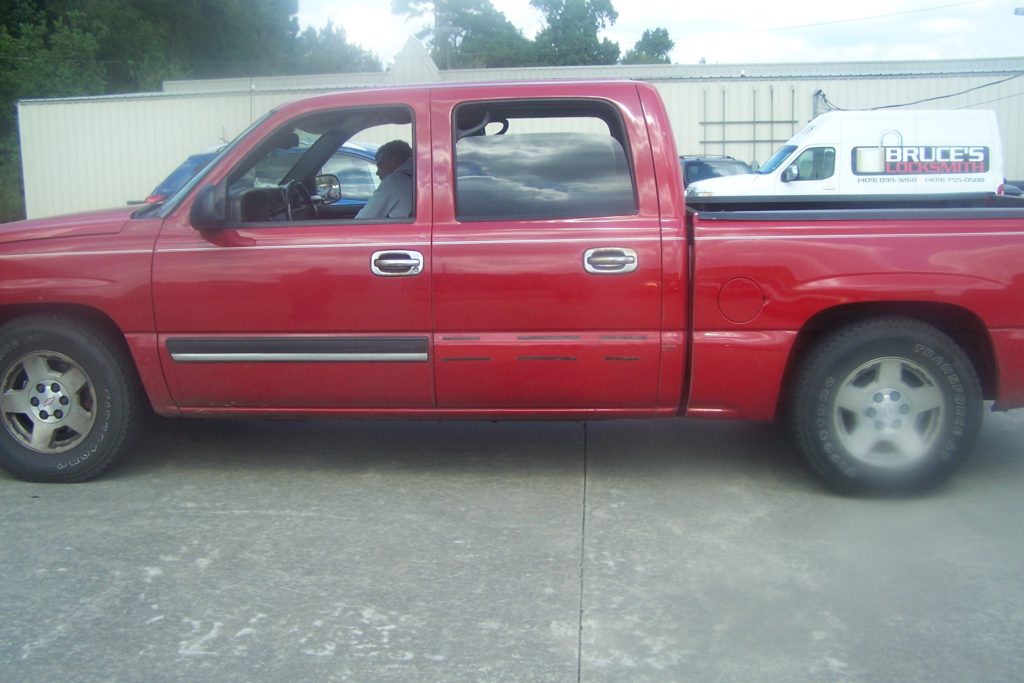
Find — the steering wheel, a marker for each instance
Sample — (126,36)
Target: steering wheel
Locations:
(298,202)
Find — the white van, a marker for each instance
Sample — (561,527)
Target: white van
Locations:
(908,152)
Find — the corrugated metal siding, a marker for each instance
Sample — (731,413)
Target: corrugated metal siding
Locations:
(89,153)
(746,120)
(95,154)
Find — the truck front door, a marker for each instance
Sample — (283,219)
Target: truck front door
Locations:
(281,308)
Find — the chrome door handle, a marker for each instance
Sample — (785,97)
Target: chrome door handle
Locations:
(396,263)
(610,260)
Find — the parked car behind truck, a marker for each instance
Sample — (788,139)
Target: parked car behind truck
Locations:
(697,167)
(541,274)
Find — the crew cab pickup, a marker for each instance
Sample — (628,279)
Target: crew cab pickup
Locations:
(550,269)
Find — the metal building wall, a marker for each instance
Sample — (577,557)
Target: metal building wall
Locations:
(90,153)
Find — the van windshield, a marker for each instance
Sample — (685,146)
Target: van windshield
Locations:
(781,154)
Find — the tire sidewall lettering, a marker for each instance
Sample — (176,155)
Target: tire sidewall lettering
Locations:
(832,364)
(96,437)
(91,354)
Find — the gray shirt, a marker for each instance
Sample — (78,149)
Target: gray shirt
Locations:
(393,197)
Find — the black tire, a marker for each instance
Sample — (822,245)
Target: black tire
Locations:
(69,401)
(885,405)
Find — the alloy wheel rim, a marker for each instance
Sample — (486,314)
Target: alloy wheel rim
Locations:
(48,402)
(889,412)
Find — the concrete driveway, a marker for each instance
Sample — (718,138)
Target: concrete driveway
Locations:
(621,551)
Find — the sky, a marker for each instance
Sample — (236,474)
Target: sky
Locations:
(744,31)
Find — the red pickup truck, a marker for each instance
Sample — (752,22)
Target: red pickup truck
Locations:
(549,269)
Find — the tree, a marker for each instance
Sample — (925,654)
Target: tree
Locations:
(222,38)
(326,51)
(570,34)
(38,59)
(469,34)
(653,47)
(52,48)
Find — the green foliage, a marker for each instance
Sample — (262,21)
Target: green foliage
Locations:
(569,36)
(326,51)
(39,59)
(473,34)
(56,48)
(654,47)
(468,34)
(11,190)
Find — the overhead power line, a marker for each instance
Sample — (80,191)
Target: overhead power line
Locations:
(994,99)
(955,94)
(835,107)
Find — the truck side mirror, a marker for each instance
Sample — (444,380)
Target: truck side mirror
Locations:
(790,174)
(208,209)
(328,187)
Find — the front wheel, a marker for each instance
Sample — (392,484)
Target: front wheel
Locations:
(68,400)
(886,404)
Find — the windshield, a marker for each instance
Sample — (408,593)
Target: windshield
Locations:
(183,173)
(164,209)
(702,169)
(731,168)
(780,156)
(281,156)
(272,168)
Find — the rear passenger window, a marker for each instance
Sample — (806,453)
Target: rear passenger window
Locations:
(541,160)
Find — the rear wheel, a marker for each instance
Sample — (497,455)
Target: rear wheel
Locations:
(886,404)
(68,400)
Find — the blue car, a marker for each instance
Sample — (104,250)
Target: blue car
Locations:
(354,164)
(181,175)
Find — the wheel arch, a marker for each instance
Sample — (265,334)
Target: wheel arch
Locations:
(110,413)
(92,317)
(967,330)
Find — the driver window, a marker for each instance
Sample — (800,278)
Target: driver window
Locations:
(816,163)
(324,167)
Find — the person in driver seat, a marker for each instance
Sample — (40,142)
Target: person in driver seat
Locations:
(393,197)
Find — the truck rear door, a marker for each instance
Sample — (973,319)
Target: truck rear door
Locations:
(546,250)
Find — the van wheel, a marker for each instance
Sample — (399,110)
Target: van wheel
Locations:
(69,402)
(888,404)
